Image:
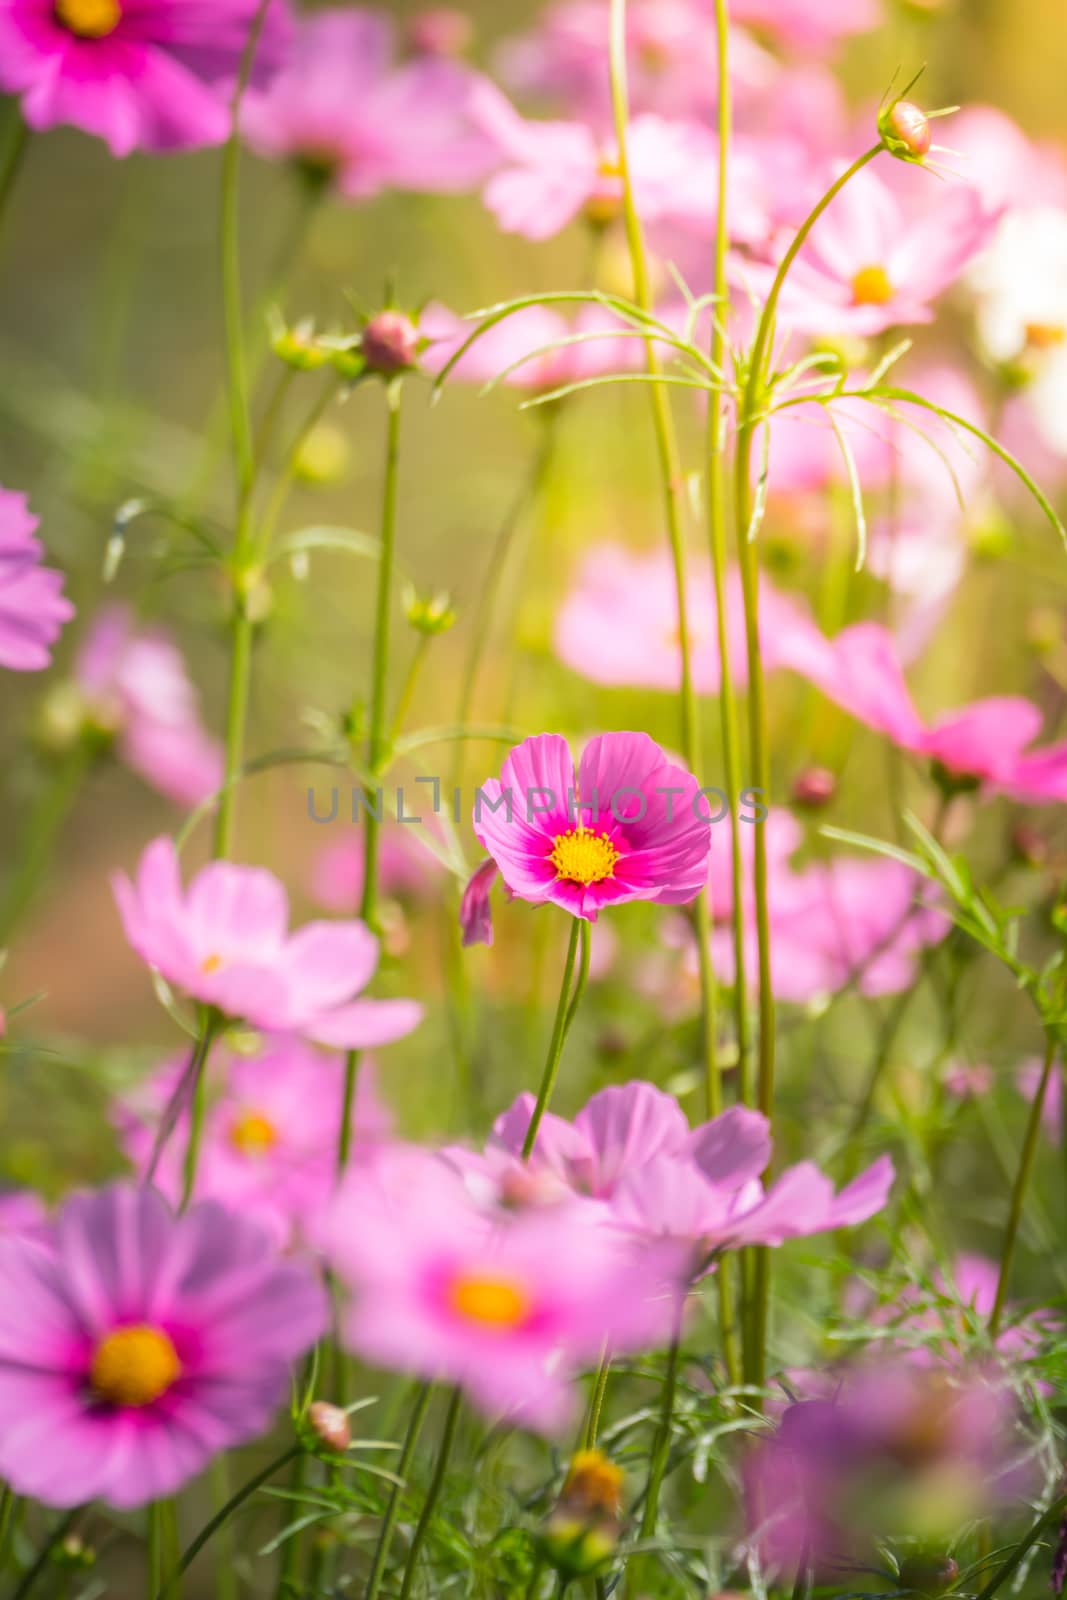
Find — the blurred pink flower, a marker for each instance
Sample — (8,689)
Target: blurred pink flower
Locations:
(475,911)
(23,1215)
(966,1296)
(139,1345)
(968,1081)
(833,923)
(406,869)
(600,345)
(628,825)
(269,1143)
(33,608)
(619,624)
(814,26)
(152,75)
(994,156)
(509,1307)
(347,112)
(877,258)
(137,687)
(1027,1080)
(226,942)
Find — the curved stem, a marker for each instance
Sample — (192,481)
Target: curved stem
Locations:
(392,1510)
(44,1555)
(422,1527)
(198,1076)
(377,732)
(596,1403)
(209,1530)
(1022,1180)
(1021,1551)
(565,1012)
(348,1105)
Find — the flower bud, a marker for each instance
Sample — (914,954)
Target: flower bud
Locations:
(297,346)
(583,1530)
(815,787)
(431,614)
(390,343)
(331,1426)
(905,131)
(475,911)
(323,456)
(1028,845)
(440,31)
(929,1575)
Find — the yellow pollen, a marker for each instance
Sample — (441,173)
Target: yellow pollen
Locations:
(89,19)
(210,964)
(134,1366)
(871,287)
(497,1303)
(1044,335)
(581,856)
(253,1134)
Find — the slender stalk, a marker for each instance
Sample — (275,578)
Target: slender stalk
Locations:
(565,1011)
(1021,1551)
(377,740)
(236,718)
(222,1516)
(344,1137)
(661,1448)
(1022,1180)
(288,1566)
(225,1576)
(12,157)
(44,1555)
(385,1535)
(198,1096)
(596,1403)
(8,1503)
(671,473)
(35,848)
(433,1493)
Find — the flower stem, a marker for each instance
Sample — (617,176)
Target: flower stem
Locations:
(565,1013)
(433,1493)
(222,1516)
(44,1555)
(344,1138)
(12,156)
(661,1449)
(35,848)
(392,1510)
(1022,1180)
(197,1099)
(671,473)
(377,733)
(1022,1549)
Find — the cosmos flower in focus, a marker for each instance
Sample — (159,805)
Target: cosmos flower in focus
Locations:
(139,74)
(33,607)
(626,825)
(139,1345)
(226,942)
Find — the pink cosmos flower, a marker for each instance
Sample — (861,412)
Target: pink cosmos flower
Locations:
(1027,1080)
(618,625)
(507,1306)
(139,74)
(814,26)
(23,1215)
(475,912)
(986,742)
(226,943)
(33,608)
(627,825)
(346,112)
(878,258)
(406,869)
(140,1344)
(848,920)
(966,1297)
(966,1080)
(269,1144)
(136,686)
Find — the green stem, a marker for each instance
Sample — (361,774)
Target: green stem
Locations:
(596,1403)
(236,718)
(565,1012)
(344,1138)
(209,1530)
(1021,1551)
(392,1510)
(288,1567)
(1022,1180)
(433,1493)
(197,1101)
(44,1555)
(35,849)
(9,1501)
(377,740)
(225,1575)
(661,1448)
(12,157)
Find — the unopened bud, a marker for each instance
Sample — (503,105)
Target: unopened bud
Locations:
(323,456)
(74,1552)
(905,131)
(297,346)
(440,31)
(814,787)
(429,614)
(933,1575)
(331,1426)
(583,1530)
(390,343)
(1028,845)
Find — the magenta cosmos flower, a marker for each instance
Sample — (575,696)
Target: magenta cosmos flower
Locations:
(508,1306)
(226,943)
(628,825)
(345,112)
(269,1144)
(33,608)
(140,1344)
(139,74)
(137,690)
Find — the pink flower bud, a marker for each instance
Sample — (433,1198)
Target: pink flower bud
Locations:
(331,1426)
(814,787)
(440,31)
(390,343)
(475,913)
(905,127)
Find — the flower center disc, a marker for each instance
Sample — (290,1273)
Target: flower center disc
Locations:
(584,857)
(494,1302)
(89,19)
(134,1366)
(253,1134)
(871,287)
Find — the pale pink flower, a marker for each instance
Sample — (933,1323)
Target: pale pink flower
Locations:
(345,111)
(626,825)
(33,608)
(226,942)
(136,687)
(138,1345)
(1027,1080)
(814,26)
(406,869)
(23,1215)
(966,1080)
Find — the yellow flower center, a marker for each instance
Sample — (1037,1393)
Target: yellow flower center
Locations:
(1044,335)
(89,19)
(253,1134)
(498,1303)
(134,1366)
(871,287)
(582,856)
(210,964)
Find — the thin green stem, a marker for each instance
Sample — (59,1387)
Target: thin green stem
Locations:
(661,1448)
(237,699)
(9,1501)
(44,1555)
(433,1493)
(1022,1550)
(197,1100)
(12,157)
(377,739)
(222,1516)
(35,849)
(348,1105)
(596,1403)
(565,1012)
(392,1510)
(1022,1181)
(288,1567)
